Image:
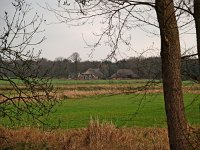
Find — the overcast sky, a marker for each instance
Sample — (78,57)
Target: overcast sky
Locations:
(62,40)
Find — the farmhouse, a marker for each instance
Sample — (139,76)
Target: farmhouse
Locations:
(124,74)
(91,74)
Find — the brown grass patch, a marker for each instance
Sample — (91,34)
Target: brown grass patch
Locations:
(97,136)
(79,91)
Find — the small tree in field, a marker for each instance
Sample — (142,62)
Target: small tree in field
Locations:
(75,58)
(26,93)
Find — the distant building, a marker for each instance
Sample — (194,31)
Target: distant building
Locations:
(91,74)
(124,74)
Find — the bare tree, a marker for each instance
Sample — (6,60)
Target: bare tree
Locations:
(75,58)
(172,85)
(197,25)
(25,93)
(189,9)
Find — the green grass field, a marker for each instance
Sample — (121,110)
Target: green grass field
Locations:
(65,82)
(125,110)
(93,82)
(122,110)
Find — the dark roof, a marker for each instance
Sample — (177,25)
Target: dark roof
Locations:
(95,72)
(124,73)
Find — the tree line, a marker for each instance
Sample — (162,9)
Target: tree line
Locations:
(144,68)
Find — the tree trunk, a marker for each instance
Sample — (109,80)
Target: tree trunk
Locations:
(172,85)
(197,24)
(76,69)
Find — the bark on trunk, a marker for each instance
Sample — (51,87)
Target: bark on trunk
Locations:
(172,85)
(197,24)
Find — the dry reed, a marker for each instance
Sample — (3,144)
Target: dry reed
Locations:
(97,136)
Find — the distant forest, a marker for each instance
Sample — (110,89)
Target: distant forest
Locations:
(144,68)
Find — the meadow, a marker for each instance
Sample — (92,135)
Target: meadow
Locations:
(65,82)
(111,114)
(125,103)
(132,110)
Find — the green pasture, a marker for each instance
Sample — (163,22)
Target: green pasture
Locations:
(4,82)
(94,82)
(63,82)
(122,110)
(74,82)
